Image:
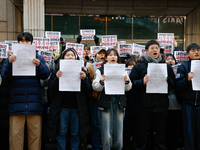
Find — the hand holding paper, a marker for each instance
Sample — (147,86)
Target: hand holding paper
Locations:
(12,58)
(146,79)
(36,62)
(82,75)
(103,77)
(59,74)
(126,79)
(190,76)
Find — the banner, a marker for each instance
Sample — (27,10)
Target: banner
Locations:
(87,34)
(78,47)
(96,65)
(138,49)
(124,50)
(10,44)
(166,40)
(175,68)
(3,50)
(47,56)
(52,35)
(181,56)
(109,40)
(41,43)
(54,39)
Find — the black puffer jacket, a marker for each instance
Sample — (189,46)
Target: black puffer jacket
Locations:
(149,101)
(183,87)
(55,106)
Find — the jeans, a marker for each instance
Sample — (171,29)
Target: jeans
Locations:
(95,132)
(111,126)
(68,117)
(191,126)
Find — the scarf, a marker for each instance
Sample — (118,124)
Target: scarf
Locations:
(150,59)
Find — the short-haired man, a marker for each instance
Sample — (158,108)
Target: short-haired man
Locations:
(151,108)
(25,100)
(189,99)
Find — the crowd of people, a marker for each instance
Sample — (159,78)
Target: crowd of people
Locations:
(34,111)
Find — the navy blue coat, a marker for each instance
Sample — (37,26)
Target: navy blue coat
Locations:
(25,94)
(183,87)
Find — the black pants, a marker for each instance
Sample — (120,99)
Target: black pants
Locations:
(174,134)
(128,132)
(150,121)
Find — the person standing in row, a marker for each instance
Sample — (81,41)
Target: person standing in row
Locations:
(151,108)
(189,99)
(111,107)
(25,100)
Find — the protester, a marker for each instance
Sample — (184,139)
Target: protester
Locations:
(25,100)
(190,100)
(129,120)
(72,107)
(151,109)
(95,133)
(4,114)
(111,107)
(174,125)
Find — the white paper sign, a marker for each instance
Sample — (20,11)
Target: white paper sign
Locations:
(157,78)
(166,40)
(124,50)
(195,68)
(87,34)
(114,81)
(94,49)
(23,65)
(70,79)
(109,40)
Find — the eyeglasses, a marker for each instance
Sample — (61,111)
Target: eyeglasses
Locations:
(154,47)
(195,50)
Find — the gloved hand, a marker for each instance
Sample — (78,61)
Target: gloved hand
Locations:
(96,40)
(79,38)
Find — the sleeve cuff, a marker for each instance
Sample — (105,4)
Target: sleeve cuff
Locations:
(102,83)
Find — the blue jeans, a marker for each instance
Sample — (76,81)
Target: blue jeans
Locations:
(191,126)
(68,117)
(111,126)
(95,132)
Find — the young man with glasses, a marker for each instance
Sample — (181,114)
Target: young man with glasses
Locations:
(151,108)
(190,100)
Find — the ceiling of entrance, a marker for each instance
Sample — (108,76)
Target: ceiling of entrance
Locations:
(118,7)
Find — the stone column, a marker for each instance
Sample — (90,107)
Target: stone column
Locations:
(33,11)
(192,33)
